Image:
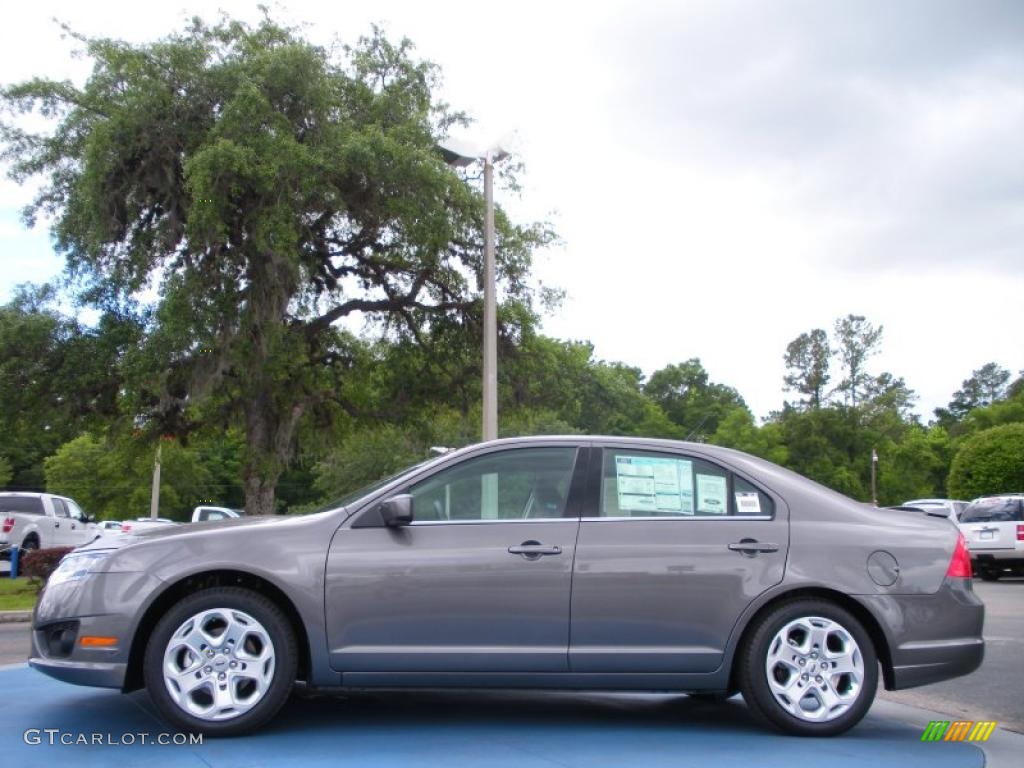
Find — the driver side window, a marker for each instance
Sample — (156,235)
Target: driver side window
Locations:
(518,484)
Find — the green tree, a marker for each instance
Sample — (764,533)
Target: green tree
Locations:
(807,360)
(856,341)
(691,400)
(991,461)
(985,386)
(57,377)
(113,480)
(272,188)
(6,473)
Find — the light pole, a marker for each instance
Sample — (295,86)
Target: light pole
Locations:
(459,156)
(874,473)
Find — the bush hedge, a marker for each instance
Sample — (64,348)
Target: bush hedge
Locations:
(989,462)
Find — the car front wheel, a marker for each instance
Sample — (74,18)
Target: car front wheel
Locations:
(809,668)
(221,661)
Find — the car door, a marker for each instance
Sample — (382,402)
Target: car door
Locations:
(478,582)
(672,548)
(81,531)
(62,535)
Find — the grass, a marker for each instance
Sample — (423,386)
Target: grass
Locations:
(16,594)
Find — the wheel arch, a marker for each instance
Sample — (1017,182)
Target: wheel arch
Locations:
(204,580)
(867,619)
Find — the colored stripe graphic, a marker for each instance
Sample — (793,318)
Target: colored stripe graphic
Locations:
(935,731)
(982,730)
(958,730)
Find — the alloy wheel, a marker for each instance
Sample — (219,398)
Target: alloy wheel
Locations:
(815,669)
(218,664)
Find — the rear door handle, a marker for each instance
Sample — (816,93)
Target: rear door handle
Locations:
(752,547)
(532,550)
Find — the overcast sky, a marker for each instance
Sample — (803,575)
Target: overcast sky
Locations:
(724,175)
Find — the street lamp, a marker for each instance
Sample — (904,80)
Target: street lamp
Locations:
(874,473)
(459,155)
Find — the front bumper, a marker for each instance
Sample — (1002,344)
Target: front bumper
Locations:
(96,673)
(103,604)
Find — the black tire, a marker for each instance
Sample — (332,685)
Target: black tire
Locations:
(987,574)
(753,677)
(30,543)
(282,638)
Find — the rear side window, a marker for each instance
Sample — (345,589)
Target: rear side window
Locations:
(641,484)
(999,510)
(59,507)
(29,505)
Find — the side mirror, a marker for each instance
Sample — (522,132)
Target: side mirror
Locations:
(397,511)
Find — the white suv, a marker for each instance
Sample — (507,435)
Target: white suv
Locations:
(994,529)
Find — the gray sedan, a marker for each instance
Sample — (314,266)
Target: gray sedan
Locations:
(580,563)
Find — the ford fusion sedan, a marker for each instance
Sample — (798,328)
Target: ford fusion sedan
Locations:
(579,563)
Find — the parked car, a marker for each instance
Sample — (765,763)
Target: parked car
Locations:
(952,507)
(140,524)
(41,521)
(994,529)
(204,513)
(554,562)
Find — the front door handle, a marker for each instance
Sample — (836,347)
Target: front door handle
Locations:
(752,547)
(532,550)
(57,524)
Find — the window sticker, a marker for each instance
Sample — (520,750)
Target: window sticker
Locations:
(748,503)
(652,484)
(712,497)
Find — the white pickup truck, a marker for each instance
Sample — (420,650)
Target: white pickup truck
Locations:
(41,521)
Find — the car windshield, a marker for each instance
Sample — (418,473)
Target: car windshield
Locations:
(992,511)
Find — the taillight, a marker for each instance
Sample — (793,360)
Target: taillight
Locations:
(1020,532)
(9,525)
(960,565)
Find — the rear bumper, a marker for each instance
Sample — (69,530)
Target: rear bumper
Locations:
(929,662)
(999,556)
(929,638)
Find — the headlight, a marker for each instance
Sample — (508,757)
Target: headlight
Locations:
(76,566)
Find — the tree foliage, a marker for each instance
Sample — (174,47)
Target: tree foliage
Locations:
(807,361)
(57,377)
(691,400)
(856,341)
(985,386)
(272,188)
(989,462)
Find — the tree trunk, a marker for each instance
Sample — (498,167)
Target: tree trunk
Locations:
(270,433)
(259,494)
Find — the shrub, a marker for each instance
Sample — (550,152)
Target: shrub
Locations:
(38,564)
(991,461)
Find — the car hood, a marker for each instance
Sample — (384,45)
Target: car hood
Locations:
(119,539)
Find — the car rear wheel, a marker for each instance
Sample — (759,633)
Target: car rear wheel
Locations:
(809,668)
(221,661)
(989,574)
